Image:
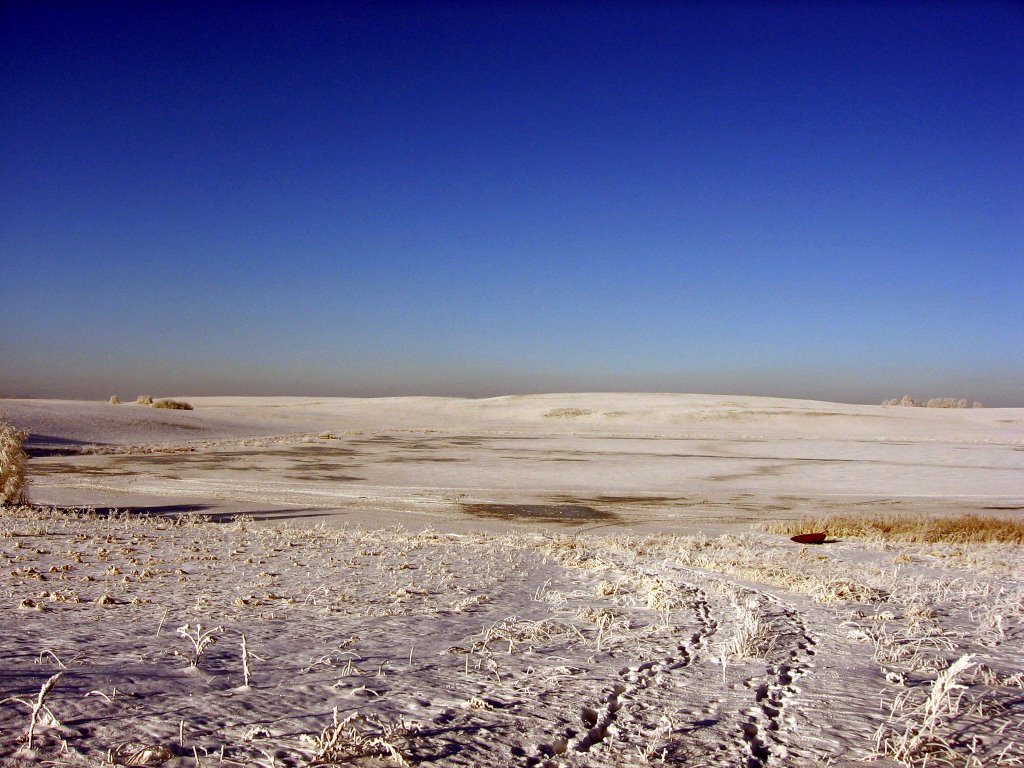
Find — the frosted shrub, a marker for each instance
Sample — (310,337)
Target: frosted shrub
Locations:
(13,465)
(174,405)
(115,400)
(935,402)
(144,399)
(946,402)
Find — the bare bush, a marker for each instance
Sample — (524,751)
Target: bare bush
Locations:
(115,400)
(176,405)
(13,465)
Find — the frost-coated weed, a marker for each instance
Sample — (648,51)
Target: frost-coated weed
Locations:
(360,735)
(41,714)
(201,638)
(911,736)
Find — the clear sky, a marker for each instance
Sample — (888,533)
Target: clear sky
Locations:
(817,200)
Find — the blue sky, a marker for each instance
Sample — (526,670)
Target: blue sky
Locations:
(818,200)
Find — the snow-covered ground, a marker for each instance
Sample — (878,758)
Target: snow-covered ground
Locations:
(641,462)
(577,583)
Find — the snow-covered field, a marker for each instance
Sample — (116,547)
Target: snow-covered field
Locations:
(563,580)
(639,462)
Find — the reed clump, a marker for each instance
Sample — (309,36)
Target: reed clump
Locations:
(959,529)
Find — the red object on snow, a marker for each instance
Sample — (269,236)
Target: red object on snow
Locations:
(809,538)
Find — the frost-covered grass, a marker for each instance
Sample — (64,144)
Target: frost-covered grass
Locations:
(316,645)
(13,465)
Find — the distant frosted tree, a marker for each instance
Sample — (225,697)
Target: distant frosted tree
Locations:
(935,402)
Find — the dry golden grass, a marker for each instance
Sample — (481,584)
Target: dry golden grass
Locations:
(567,413)
(176,405)
(961,529)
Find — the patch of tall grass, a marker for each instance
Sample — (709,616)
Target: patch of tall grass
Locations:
(960,529)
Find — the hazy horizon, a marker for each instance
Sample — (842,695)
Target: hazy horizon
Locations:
(798,200)
(868,395)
